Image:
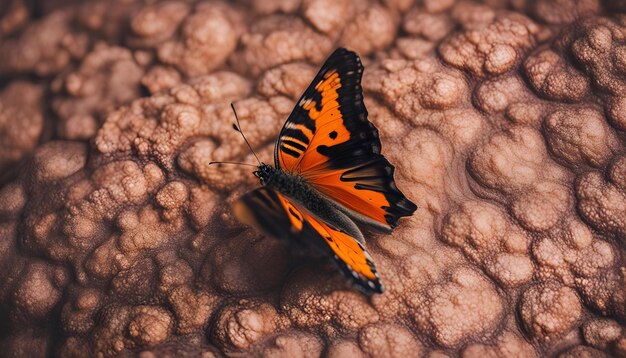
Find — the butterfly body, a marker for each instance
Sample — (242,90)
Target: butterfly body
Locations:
(328,172)
(297,190)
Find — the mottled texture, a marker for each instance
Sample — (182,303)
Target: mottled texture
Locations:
(21,121)
(506,121)
(106,78)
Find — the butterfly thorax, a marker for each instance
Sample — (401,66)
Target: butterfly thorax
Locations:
(291,185)
(296,188)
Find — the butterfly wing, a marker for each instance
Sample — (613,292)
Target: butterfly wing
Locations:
(329,140)
(276,215)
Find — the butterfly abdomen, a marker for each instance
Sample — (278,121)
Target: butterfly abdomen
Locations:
(296,188)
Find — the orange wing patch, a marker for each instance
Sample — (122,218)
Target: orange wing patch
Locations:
(295,216)
(323,126)
(345,248)
(366,202)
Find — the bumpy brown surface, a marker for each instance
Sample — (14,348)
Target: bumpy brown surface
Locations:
(506,122)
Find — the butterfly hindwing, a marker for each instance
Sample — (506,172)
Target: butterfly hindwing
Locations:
(275,214)
(330,142)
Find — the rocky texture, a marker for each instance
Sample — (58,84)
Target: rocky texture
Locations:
(106,78)
(506,127)
(99,55)
(21,121)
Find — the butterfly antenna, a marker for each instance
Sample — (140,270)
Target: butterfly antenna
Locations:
(238,129)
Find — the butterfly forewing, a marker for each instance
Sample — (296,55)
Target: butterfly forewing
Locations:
(329,141)
(277,215)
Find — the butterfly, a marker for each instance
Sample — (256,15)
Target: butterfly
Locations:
(328,173)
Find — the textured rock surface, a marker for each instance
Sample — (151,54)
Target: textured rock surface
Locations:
(506,122)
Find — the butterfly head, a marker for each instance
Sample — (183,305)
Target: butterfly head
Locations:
(265,173)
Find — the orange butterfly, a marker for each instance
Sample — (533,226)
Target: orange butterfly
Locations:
(327,171)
